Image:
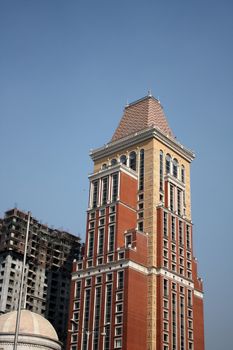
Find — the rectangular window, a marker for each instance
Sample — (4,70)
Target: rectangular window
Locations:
(173,267)
(88,282)
(90,244)
(99,261)
(171,197)
(140,215)
(119,296)
(188,237)
(173,228)
(95,194)
(97,317)
(117,343)
(128,240)
(76,305)
(118,331)
(109,277)
(114,187)
(78,290)
(119,319)
(190,346)
(98,279)
(179,201)
(112,209)
(182,174)
(165,224)
(92,215)
(182,324)
(181,238)
(112,218)
(104,190)
(110,258)
(141,170)
(86,317)
(140,226)
(189,298)
(174,322)
(119,307)
(76,316)
(140,206)
(101,241)
(102,212)
(74,338)
(161,171)
(120,279)
(121,255)
(165,288)
(108,304)
(92,224)
(190,313)
(101,221)
(111,237)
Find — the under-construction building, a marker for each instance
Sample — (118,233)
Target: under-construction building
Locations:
(50,253)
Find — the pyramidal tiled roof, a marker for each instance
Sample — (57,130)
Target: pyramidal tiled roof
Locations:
(142,114)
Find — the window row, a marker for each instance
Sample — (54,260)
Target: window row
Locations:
(102,221)
(167,290)
(105,329)
(104,190)
(131,160)
(184,230)
(170,166)
(176,199)
(102,212)
(100,241)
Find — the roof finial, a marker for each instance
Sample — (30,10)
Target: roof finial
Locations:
(127,103)
(158,100)
(149,93)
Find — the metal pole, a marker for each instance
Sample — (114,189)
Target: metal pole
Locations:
(21,285)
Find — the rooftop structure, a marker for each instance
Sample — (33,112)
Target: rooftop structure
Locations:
(142,114)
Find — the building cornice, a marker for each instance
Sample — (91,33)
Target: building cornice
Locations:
(113,169)
(122,264)
(138,137)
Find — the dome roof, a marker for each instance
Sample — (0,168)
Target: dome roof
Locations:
(30,323)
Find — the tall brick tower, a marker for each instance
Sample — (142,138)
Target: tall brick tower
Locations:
(137,286)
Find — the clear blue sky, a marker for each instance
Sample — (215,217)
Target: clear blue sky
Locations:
(67,69)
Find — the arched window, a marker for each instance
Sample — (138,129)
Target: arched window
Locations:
(175,167)
(182,174)
(113,161)
(123,159)
(104,166)
(168,164)
(132,160)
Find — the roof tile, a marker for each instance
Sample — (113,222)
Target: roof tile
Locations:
(141,114)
